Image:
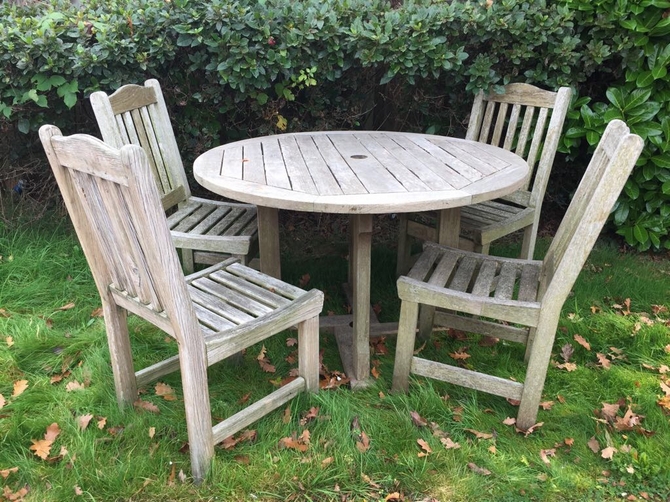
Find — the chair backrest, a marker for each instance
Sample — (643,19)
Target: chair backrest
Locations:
(115,207)
(137,115)
(605,176)
(516,120)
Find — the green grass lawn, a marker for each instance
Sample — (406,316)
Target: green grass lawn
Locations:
(604,432)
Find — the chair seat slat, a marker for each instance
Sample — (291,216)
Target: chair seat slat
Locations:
(236,299)
(484,282)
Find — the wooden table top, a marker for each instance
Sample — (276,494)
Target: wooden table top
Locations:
(360,172)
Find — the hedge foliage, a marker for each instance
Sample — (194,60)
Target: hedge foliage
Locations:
(238,68)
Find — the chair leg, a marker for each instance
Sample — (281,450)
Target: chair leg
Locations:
(426,321)
(187,261)
(536,373)
(116,325)
(308,353)
(409,312)
(528,246)
(529,344)
(404,246)
(193,365)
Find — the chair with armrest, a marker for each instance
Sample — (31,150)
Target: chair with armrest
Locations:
(201,228)
(116,210)
(512,299)
(517,120)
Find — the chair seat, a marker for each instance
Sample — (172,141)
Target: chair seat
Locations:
(481,285)
(204,224)
(237,307)
(488,221)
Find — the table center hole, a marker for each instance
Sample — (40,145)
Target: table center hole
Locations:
(359,156)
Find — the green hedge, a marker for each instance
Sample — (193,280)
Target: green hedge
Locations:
(233,69)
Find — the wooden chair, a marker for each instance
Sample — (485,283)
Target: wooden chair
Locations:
(526,295)
(517,121)
(112,199)
(138,115)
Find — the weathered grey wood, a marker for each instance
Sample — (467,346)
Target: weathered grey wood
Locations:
(495,119)
(467,378)
(138,115)
(213,314)
(268,225)
(485,290)
(360,173)
(257,410)
(359,261)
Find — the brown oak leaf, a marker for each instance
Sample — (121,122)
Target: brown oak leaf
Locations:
(425,447)
(593,444)
(449,444)
(480,435)
(41,447)
(545,454)
(19,387)
(165,391)
(417,419)
(83,421)
(147,406)
(581,341)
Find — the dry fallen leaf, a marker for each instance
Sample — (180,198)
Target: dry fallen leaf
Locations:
(67,306)
(363,444)
(6,472)
(74,386)
(417,419)
(102,421)
(609,411)
(480,435)
(567,366)
(300,443)
(327,461)
(509,421)
(449,444)
(83,421)
(478,470)
(603,361)
(19,387)
(545,454)
(530,429)
(52,432)
(41,447)
(309,415)
(425,447)
(264,362)
(165,391)
(78,491)
(9,340)
(566,352)
(593,444)
(581,341)
(147,406)
(460,355)
(608,453)
(2,401)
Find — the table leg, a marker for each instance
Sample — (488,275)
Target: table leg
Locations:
(359,273)
(268,241)
(449,227)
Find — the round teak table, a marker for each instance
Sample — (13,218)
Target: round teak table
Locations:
(360,173)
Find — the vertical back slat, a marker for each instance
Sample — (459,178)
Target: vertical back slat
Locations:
(500,124)
(486,124)
(512,127)
(524,133)
(537,137)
